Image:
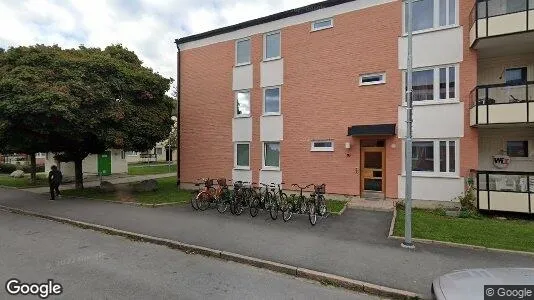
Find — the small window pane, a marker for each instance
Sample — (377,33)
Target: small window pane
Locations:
(452,12)
(452,156)
(272,154)
(372,79)
(423,14)
(423,85)
(516,75)
(481,9)
(443,12)
(443,156)
(517,148)
(531,4)
(322,24)
(243,52)
(272,45)
(322,144)
(272,100)
(242,155)
(443,83)
(423,156)
(243,104)
(452,82)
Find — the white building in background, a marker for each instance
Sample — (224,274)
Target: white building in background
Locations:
(110,162)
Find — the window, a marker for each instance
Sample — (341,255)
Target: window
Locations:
(434,156)
(435,83)
(159,151)
(370,79)
(271,155)
(242,155)
(242,104)
(322,146)
(272,46)
(424,16)
(517,148)
(322,24)
(271,101)
(131,153)
(123,155)
(515,76)
(242,52)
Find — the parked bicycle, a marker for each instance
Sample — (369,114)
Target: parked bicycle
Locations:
(317,203)
(241,197)
(280,200)
(210,195)
(225,196)
(296,204)
(201,192)
(263,198)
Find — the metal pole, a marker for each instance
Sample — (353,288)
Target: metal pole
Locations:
(408,142)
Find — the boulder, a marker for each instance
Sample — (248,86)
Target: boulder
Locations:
(150,185)
(107,187)
(17,174)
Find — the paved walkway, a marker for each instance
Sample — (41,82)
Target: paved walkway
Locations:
(115,180)
(353,245)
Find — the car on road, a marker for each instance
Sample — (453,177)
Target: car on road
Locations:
(469,283)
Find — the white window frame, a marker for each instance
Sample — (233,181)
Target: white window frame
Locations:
(436,83)
(249,54)
(265,46)
(322,28)
(263,150)
(279,100)
(322,149)
(235,104)
(237,167)
(435,20)
(382,81)
(436,172)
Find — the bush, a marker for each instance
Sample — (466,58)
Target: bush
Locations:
(28,168)
(7,168)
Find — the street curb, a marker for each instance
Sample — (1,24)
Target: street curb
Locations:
(320,277)
(371,208)
(129,202)
(451,244)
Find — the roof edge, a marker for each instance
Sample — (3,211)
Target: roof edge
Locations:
(270,18)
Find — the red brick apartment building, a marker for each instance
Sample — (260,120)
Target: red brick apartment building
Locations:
(316,95)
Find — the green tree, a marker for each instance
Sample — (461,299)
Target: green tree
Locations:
(76,102)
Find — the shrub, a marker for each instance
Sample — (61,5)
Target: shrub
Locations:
(28,168)
(7,168)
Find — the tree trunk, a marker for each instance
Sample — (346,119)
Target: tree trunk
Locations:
(33,164)
(78,173)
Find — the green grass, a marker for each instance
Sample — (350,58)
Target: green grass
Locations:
(23,182)
(483,231)
(335,206)
(167,193)
(153,169)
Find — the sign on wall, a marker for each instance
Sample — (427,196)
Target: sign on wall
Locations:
(501,161)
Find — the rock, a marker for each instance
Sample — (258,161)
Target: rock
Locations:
(150,185)
(107,187)
(17,174)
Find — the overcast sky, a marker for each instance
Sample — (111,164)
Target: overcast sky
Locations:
(147,27)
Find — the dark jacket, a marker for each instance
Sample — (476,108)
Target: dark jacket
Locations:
(55,177)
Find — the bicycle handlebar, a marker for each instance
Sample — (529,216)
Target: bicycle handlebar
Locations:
(303,188)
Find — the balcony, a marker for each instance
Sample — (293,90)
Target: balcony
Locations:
(502,104)
(503,19)
(505,191)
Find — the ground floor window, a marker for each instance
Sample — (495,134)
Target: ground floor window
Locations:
(271,155)
(435,156)
(242,155)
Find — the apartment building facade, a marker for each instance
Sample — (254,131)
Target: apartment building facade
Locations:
(316,95)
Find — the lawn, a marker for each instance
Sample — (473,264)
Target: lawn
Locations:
(23,182)
(152,169)
(167,193)
(483,231)
(335,206)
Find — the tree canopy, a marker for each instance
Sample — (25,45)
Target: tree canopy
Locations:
(80,101)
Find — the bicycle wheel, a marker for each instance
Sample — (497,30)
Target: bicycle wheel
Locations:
(288,213)
(303,205)
(194,202)
(254,207)
(274,209)
(238,206)
(283,202)
(223,203)
(312,214)
(322,206)
(203,200)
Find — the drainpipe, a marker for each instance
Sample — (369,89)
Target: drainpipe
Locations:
(178,81)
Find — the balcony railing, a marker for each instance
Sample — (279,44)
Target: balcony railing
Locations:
(502,103)
(505,191)
(499,17)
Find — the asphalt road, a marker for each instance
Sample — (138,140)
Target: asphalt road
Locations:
(92,265)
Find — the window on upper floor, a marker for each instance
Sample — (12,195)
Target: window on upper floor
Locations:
(242,103)
(271,101)
(272,44)
(322,24)
(436,83)
(514,76)
(242,55)
(425,17)
(242,155)
(517,148)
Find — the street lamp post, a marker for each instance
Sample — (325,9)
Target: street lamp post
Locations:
(408,142)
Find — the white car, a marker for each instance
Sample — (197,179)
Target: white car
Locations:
(469,284)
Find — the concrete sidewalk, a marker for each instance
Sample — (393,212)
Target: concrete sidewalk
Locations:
(120,180)
(353,245)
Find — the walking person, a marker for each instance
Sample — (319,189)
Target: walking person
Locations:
(54,180)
